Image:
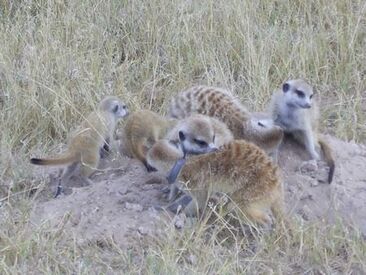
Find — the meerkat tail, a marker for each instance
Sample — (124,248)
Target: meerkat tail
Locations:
(173,174)
(65,159)
(328,156)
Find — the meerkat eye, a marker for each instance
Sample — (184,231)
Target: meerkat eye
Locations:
(311,96)
(182,136)
(115,109)
(300,93)
(124,107)
(260,124)
(201,143)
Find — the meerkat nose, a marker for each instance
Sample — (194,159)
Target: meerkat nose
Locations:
(212,147)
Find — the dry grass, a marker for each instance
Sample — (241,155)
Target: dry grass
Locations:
(58,58)
(201,249)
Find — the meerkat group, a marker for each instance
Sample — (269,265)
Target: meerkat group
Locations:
(229,147)
(221,104)
(196,134)
(291,112)
(158,142)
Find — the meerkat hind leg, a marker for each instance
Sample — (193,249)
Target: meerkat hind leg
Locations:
(256,214)
(89,165)
(65,177)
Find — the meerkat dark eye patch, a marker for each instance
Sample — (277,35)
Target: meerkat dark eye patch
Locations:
(201,143)
(311,96)
(285,87)
(260,124)
(115,109)
(300,94)
(182,137)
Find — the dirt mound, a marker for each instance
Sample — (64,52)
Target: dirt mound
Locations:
(307,190)
(119,204)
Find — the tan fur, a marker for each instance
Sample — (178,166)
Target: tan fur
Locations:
(268,137)
(198,127)
(299,116)
(220,103)
(86,143)
(240,170)
(142,130)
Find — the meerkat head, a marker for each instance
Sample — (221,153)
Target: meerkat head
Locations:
(260,122)
(114,105)
(298,93)
(197,135)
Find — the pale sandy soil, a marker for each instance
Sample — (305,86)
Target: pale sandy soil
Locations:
(119,204)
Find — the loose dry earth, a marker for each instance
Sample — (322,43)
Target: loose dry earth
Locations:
(120,205)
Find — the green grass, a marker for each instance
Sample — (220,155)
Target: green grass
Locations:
(58,58)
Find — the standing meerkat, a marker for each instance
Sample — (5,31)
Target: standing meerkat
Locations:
(198,132)
(220,103)
(142,130)
(294,109)
(240,170)
(92,136)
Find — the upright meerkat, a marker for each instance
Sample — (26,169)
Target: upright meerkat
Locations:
(86,143)
(294,109)
(220,103)
(242,171)
(199,132)
(142,130)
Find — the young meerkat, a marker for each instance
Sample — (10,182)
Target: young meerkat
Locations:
(92,136)
(142,130)
(199,133)
(221,104)
(240,170)
(294,109)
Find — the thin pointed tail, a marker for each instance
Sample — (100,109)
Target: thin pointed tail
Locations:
(328,156)
(64,159)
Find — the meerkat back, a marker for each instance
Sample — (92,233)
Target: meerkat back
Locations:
(222,105)
(243,172)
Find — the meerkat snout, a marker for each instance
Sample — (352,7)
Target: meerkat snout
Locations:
(120,110)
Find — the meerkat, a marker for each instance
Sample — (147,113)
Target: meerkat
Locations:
(269,135)
(200,134)
(92,136)
(221,104)
(240,170)
(142,130)
(295,110)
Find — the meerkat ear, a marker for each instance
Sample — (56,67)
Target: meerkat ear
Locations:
(182,137)
(285,87)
